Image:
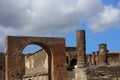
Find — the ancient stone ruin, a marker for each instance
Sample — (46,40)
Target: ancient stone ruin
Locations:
(56,61)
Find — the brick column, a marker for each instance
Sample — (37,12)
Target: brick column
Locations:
(103,54)
(93,58)
(81,48)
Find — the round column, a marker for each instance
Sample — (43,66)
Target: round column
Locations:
(102,54)
(81,48)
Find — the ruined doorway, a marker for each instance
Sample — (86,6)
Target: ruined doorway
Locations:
(55,47)
(36,63)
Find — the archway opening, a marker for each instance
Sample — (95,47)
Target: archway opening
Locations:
(73,62)
(32,48)
(35,63)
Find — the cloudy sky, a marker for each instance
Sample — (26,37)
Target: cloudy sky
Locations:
(61,18)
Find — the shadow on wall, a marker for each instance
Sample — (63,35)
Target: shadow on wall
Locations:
(72,64)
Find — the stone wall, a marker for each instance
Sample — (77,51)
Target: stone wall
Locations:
(43,77)
(55,48)
(36,65)
(94,71)
(113,58)
(71,57)
(103,73)
(71,52)
(71,75)
(2,66)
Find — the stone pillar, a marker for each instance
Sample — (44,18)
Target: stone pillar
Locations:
(103,54)
(97,57)
(93,58)
(81,48)
(89,59)
(80,69)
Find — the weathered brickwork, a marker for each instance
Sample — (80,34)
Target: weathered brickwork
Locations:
(114,58)
(81,56)
(71,57)
(2,65)
(81,48)
(55,48)
(89,61)
(103,73)
(36,66)
(93,58)
(102,54)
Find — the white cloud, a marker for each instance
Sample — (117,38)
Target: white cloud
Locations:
(53,17)
(4,31)
(46,15)
(109,17)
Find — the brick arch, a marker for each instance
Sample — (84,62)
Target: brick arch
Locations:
(47,49)
(55,48)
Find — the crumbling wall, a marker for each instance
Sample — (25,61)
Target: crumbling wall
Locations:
(71,57)
(42,76)
(2,66)
(36,62)
(55,48)
(103,73)
(113,58)
(36,66)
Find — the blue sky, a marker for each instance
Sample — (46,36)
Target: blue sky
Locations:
(109,37)
(52,18)
(113,2)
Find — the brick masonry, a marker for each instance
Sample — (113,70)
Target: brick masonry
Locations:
(55,48)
